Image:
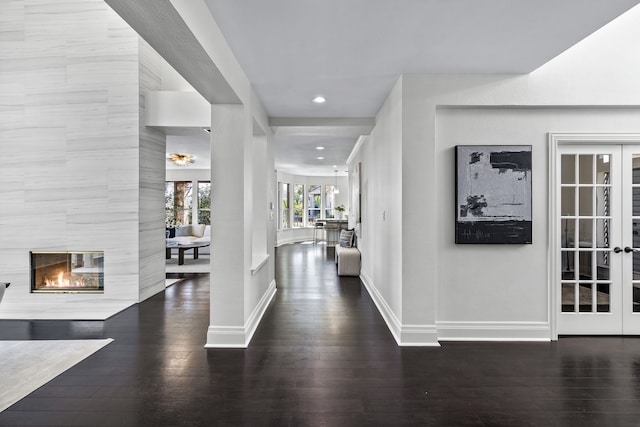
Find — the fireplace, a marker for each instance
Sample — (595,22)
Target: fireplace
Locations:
(67,272)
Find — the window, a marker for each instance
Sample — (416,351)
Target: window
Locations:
(298,205)
(177,198)
(314,200)
(284,207)
(329,200)
(204,202)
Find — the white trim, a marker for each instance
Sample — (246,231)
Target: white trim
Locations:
(226,337)
(555,140)
(554,243)
(593,138)
(240,336)
(419,336)
(291,241)
(405,335)
(361,140)
(256,316)
(385,311)
(257,262)
(493,331)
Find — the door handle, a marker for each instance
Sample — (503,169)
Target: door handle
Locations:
(617,249)
(628,249)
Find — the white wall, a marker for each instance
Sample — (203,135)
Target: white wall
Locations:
(188,174)
(83,174)
(151,216)
(505,283)
(379,238)
(177,109)
(440,295)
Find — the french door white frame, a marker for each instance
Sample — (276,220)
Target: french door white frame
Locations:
(555,140)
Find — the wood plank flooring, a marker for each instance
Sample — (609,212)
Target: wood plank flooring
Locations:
(321,357)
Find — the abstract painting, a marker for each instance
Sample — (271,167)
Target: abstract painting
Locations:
(493,194)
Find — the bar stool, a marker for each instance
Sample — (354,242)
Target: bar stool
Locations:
(317,229)
(331,229)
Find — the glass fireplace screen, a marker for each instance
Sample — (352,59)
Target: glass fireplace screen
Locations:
(76,272)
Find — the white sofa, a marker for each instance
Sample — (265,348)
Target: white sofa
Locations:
(193,233)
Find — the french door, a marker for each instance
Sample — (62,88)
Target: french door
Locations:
(599,283)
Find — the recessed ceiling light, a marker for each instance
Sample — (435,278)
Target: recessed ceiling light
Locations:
(335,166)
(319,99)
(320,158)
(319,148)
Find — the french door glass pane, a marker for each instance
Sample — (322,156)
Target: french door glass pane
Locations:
(568,233)
(585,271)
(636,201)
(568,169)
(568,263)
(603,271)
(635,159)
(586,233)
(602,233)
(603,168)
(585,297)
(568,204)
(568,297)
(585,201)
(586,168)
(603,201)
(603,298)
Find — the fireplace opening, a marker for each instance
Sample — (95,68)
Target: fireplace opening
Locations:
(67,272)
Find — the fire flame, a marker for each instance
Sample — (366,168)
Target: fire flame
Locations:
(64,282)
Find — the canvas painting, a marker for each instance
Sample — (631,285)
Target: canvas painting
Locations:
(493,194)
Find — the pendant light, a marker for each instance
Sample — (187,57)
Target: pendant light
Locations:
(336,190)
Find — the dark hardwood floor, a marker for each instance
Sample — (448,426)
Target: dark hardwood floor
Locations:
(321,357)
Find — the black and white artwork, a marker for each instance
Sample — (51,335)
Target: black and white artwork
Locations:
(493,194)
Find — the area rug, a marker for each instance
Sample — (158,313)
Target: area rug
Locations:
(200,265)
(27,365)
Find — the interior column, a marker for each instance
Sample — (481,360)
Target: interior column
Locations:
(230,225)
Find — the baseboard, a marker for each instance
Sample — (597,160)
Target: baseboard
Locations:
(256,316)
(385,311)
(419,336)
(240,336)
(289,241)
(405,335)
(493,331)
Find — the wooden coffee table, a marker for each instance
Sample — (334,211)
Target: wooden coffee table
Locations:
(184,247)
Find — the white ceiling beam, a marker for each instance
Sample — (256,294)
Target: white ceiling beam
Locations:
(314,126)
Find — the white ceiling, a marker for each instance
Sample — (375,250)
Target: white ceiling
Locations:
(353,51)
